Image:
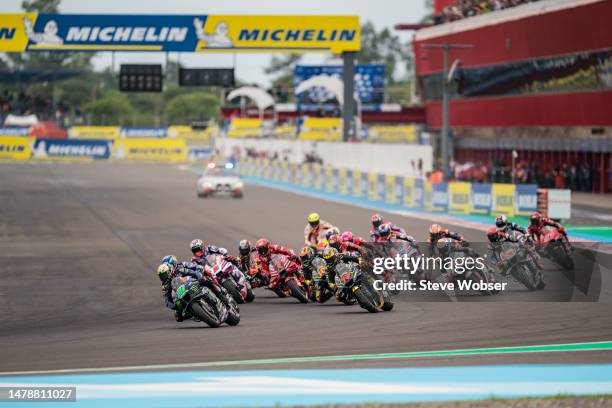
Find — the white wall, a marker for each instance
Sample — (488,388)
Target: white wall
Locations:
(393,159)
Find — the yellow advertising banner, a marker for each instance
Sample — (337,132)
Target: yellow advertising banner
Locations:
(357,192)
(390,193)
(94,132)
(15,148)
(342,182)
(305,175)
(373,186)
(190,134)
(392,134)
(318,180)
(285,177)
(428,199)
(409,192)
(329,179)
(164,150)
(267,33)
(503,199)
(459,197)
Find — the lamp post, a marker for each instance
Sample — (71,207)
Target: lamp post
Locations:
(447,77)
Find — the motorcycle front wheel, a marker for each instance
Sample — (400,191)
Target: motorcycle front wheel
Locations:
(206,313)
(297,292)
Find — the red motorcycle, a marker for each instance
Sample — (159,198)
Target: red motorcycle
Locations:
(290,279)
(555,246)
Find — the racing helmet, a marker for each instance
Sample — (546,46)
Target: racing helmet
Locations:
(377,220)
(244,247)
(493,234)
(197,247)
(347,236)
(535,218)
(501,221)
(314,219)
(435,230)
(330,233)
(329,253)
(170,260)
(306,253)
(335,241)
(262,246)
(384,230)
(163,271)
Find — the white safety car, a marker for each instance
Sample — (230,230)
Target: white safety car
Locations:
(219,179)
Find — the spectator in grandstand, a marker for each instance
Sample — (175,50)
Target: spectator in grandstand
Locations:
(467,8)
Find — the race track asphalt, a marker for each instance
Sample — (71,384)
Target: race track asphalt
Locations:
(79,244)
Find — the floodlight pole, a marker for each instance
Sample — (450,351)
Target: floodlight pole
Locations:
(348,108)
(444,142)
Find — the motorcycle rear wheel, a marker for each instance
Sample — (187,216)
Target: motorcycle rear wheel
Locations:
(297,292)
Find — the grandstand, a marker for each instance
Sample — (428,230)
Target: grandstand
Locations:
(537,80)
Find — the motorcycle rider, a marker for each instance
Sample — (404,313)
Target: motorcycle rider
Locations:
(201,255)
(537,222)
(316,229)
(502,223)
(497,237)
(245,249)
(384,233)
(171,269)
(341,245)
(333,258)
(377,221)
(436,232)
(348,236)
(262,260)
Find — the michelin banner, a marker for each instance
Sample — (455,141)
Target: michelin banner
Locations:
(14,148)
(178,33)
(71,149)
(174,150)
(94,132)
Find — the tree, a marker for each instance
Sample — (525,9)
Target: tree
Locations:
(114,108)
(383,47)
(281,68)
(198,106)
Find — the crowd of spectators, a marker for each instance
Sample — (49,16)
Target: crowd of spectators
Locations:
(23,104)
(461,9)
(576,176)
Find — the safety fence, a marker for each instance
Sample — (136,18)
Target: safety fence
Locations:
(17,148)
(409,192)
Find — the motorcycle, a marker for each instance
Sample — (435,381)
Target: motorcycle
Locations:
(321,290)
(353,284)
(554,246)
(448,248)
(399,246)
(201,304)
(518,263)
(231,278)
(290,280)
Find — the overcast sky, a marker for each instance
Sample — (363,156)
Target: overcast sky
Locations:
(249,67)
